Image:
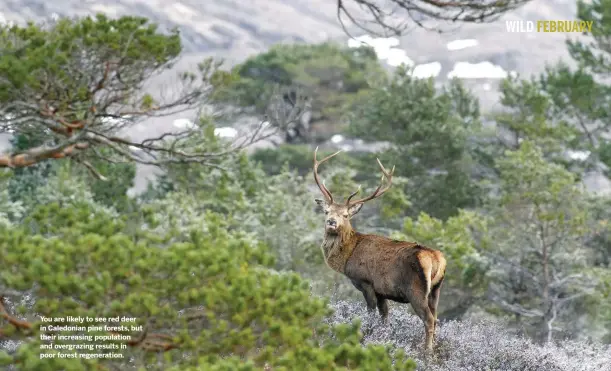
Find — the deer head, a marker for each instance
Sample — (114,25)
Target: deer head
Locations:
(338,215)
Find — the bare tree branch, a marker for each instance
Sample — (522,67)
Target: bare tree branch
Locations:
(392,16)
(518,309)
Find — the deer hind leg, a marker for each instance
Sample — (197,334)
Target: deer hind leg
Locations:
(383,308)
(420,302)
(433,302)
(423,311)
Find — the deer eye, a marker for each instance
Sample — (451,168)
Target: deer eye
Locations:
(326,212)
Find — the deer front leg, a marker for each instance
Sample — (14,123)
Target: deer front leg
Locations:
(368,293)
(383,308)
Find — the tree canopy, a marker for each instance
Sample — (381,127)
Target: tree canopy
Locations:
(75,86)
(321,81)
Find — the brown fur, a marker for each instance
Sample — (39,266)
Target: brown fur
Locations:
(381,268)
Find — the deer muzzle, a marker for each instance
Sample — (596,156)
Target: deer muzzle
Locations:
(331,224)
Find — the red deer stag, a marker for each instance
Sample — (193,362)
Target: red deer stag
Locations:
(379,267)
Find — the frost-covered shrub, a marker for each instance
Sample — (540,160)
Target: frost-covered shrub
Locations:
(277,210)
(282,215)
(67,190)
(9,210)
(469,345)
(63,187)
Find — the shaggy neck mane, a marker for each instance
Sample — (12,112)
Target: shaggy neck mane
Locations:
(337,248)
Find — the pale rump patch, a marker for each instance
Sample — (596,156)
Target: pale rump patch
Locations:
(427,268)
(433,264)
(441,267)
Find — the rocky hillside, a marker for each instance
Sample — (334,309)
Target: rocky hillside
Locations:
(234,30)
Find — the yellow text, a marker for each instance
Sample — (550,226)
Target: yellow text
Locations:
(564,26)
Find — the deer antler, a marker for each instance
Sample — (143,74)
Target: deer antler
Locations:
(379,191)
(322,186)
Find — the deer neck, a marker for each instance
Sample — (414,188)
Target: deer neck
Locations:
(337,248)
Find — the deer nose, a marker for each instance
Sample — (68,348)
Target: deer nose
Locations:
(331,222)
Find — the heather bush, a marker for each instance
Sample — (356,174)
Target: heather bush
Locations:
(471,345)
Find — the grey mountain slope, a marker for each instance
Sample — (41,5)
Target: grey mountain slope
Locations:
(236,29)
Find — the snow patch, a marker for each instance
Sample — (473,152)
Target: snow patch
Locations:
(578,155)
(385,49)
(396,57)
(337,139)
(225,132)
(482,70)
(461,44)
(183,123)
(424,71)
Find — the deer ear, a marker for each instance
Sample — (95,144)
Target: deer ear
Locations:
(353,210)
(321,204)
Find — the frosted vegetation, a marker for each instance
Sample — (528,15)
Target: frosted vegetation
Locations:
(471,345)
